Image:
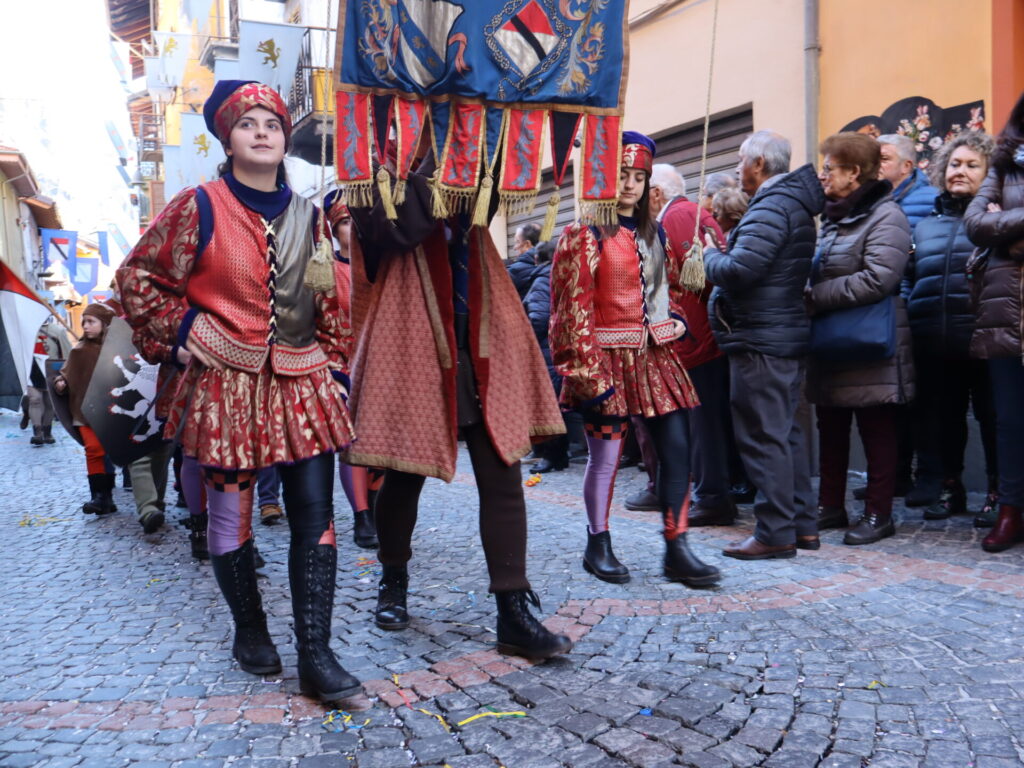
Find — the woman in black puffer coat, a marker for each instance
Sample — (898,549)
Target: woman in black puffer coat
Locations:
(942,321)
(995,221)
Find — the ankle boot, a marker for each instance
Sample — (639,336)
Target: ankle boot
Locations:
(197,525)
(519,633)
(599,559)
(681,564)
(392,592)
(48,435)
(364,530)
(312,570)
(952,501)
(1008,530)
(236,576)
(107,505)
(37,436)
(873,526)
(97,483)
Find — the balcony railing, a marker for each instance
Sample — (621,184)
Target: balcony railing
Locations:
(151,137)
(307,96)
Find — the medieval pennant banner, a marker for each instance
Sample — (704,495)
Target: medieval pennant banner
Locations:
(174,48)
(270,53)
(200,152)
(543,56)
(59,245)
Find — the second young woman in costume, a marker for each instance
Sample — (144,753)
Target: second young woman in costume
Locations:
(236,279)
(615,316)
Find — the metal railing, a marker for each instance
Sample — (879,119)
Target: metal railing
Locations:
(307,90)
(151,136)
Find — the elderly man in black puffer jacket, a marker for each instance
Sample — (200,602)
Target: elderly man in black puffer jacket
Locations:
(758,318)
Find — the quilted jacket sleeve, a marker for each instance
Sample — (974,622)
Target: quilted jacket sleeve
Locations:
(758,239)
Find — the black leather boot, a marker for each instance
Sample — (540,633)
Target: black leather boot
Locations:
(37,436)
(392,592)
(48,435)
(107,505)
(952,501)
(520,634)
(599,559)
(197,525)
(364,530)
(871,528)
(312,570)
(97,483)
(236,576)
(681,564)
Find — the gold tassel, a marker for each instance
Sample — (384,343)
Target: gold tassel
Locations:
(320,268)
(549,217)
(399,194)
(483,201)
(384,187)
(693,269)
(437,207)
(359,194)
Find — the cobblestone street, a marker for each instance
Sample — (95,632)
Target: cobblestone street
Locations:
(118,646)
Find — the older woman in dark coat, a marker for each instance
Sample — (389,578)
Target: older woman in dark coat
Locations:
(995,221)
(862,254)
(942,320)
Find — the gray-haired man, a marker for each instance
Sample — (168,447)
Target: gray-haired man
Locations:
(758,318)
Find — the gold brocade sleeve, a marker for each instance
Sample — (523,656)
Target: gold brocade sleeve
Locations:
(153,278)
(578,359)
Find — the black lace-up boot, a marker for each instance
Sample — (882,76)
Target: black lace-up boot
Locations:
(236,576)
(312,570)
(519,632)
(392,592)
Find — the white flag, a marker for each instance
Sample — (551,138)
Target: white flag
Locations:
(201,153)
(174,179)
(225,69)
(156,81)
(199,11)
(269,53)
(174,50)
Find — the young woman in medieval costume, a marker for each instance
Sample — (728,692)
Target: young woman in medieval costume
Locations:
(615,315)
(237,275)
(444,350)
(72,382)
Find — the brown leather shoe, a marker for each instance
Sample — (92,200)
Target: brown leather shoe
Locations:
(752,549)
(1008,530)
(270,514)
(808,542)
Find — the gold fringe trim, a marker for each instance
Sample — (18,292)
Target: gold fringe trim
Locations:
(384,187)
(458,199)
(550,216)
(319,275)
(359,194)
(600,213)
(483,200)
(399,192)
(518,202)
(692,274)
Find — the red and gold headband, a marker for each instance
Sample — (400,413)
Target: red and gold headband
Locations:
(637,156)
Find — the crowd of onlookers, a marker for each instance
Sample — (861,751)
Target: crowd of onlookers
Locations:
(872,288)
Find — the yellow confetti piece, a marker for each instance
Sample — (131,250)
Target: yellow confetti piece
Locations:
(439,719)
(876,684)
(492,714)
(34,520)
(533,480)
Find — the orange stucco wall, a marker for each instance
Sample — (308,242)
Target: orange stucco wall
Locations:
(876,52)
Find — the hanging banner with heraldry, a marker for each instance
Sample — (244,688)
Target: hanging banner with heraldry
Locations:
(482,81)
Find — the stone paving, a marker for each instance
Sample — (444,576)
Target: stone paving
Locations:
(117,646)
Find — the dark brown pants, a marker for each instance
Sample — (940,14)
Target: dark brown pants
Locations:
(502,513)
